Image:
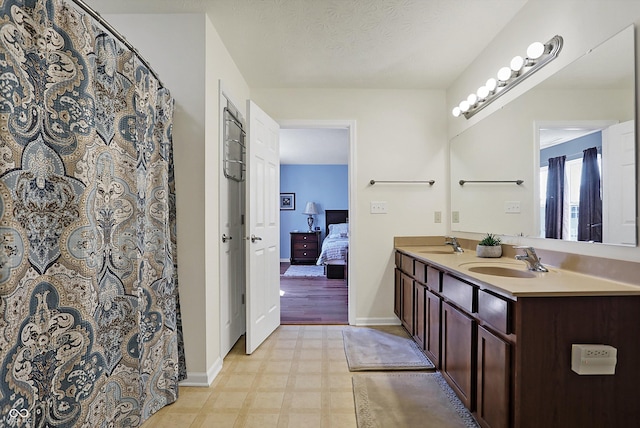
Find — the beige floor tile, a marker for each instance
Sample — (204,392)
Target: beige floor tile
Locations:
(303,420)
(170,420)
(277,367)
(285,344)
(282,354)
(306,400)
(340,382)
(229,400)
(215,420)
(342,400)
(272,381)
(267,400)
(238,381)
(338,420)
(247,366)
(309,366)
(261,420)
(308,381)
(312,343)
(310,354)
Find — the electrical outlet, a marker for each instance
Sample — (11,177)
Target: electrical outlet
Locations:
(437,217)
(378,207)
(592,359)
(455,216)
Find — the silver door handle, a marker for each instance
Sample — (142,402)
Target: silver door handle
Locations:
(255,238)
(226,238)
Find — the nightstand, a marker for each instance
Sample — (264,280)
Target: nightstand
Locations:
(305,247)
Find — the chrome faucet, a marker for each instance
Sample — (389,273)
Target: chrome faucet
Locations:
(454,243)
(531,259)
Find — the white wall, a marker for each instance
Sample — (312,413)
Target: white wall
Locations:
(583,25)
(400,135)
(187,53)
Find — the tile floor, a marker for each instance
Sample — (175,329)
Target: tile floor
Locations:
(297,378)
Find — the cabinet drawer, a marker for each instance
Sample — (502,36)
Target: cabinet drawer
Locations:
(304,254)
(495,310)
(433,279)
(420,271)
(302,237)
(305,246)
(406,264)
(398,259)
(460,292)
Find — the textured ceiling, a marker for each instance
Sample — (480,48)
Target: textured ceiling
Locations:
(412,44)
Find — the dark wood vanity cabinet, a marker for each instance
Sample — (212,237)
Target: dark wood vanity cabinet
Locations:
(509,360)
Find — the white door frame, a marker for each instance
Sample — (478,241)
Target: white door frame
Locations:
(350,125)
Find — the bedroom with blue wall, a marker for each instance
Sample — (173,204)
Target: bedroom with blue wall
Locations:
(326,185)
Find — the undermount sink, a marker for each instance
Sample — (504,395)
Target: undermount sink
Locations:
(504,269)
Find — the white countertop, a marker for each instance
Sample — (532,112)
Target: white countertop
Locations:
(555,283)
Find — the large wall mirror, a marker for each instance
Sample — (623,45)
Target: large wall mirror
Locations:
(582,118)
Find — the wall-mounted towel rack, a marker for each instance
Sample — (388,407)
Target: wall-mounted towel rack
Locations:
(430,182)
(518,182)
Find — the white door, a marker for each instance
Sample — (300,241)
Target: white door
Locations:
(618,176)
(231,242)
(262,227)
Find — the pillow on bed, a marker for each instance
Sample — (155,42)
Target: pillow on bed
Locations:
(338,230)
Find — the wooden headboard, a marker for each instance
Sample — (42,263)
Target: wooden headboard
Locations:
(334,217)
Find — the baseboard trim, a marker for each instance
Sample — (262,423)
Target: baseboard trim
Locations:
(377,321)
(203,379)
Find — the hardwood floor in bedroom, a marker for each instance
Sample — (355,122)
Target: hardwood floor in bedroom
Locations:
(312,300)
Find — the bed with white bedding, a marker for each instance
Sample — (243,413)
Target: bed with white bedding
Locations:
(335,246)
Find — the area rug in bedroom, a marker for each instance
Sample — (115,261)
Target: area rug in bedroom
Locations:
(404,400)
(382,348)
(304,270)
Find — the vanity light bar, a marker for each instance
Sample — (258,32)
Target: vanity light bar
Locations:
(538,55)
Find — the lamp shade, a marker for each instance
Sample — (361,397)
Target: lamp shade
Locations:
(310,209)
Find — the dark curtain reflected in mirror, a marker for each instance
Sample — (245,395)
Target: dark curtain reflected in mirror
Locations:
(554,207)
(590,211)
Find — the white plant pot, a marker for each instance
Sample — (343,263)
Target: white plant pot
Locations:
(489,251)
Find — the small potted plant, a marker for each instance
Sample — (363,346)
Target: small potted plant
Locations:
(489,246)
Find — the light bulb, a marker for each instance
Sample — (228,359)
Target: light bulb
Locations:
(472,99)
(483,92)
(491,84)
(517,63)
(456,111)
(535,50)
(504,74)
(464,106)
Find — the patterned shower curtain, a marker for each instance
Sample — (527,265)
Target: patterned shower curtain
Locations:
(90,330)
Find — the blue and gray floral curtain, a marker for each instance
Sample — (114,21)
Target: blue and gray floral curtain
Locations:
(90,330)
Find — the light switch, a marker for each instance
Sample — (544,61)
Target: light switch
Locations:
(378,207)
(512,207)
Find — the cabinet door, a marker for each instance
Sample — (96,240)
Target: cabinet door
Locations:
(397,293)
(419,314)
(457,357)
(494,361)
(406,306)
(432,329)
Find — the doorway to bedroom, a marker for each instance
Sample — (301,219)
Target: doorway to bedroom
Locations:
(314,188)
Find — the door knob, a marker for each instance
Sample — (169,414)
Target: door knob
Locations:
(226,238)
(255,238)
